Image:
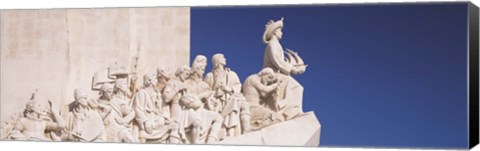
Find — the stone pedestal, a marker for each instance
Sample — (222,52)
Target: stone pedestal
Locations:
(300,131)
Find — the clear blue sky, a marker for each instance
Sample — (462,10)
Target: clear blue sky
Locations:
(378,75)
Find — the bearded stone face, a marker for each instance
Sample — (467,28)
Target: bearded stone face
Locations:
(199,70)
(108,94)
(153,80)
(164,73)
(184,75)
(149,80)
(35,107)
(82,100)
(122,86)
(81,97)
(198,66)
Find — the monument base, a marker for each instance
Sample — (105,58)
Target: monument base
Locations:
(300,131)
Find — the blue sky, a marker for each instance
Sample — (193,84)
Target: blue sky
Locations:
(379,75)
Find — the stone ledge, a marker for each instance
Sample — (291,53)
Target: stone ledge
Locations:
(301,131)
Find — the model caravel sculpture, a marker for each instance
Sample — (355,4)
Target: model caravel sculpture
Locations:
(185,109)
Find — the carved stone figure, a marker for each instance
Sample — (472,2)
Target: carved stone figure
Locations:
(195,82)
(201,125)
(222,80)
(35,123)
(290,93)
(153,125)
(186,109)
(174,90)
(274,54)
(83,123)
(259,90)
(236,114)
(7,126)
(163,77)
(225,83)
(109,75)
(116,111)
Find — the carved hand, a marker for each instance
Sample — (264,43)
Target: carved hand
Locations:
(174,126)
(299,69)
(277,84)
(53,108)
(149,126)
(226,88)
(134,77)
(120,121)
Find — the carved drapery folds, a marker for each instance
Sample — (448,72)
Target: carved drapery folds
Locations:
(186,108)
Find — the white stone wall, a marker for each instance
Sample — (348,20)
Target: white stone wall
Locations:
(59,50)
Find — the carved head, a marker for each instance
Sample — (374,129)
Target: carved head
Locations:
(106,91)
(267,76)
(81,97)
(121,85)
(149,79)
(199,64)
(183,72)
(163,72)
(218,60)
(273,28)
(33,106)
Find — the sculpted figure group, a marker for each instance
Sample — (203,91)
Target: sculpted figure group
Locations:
(187,108)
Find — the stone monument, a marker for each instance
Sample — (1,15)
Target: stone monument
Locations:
(188,108)
(276,98)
